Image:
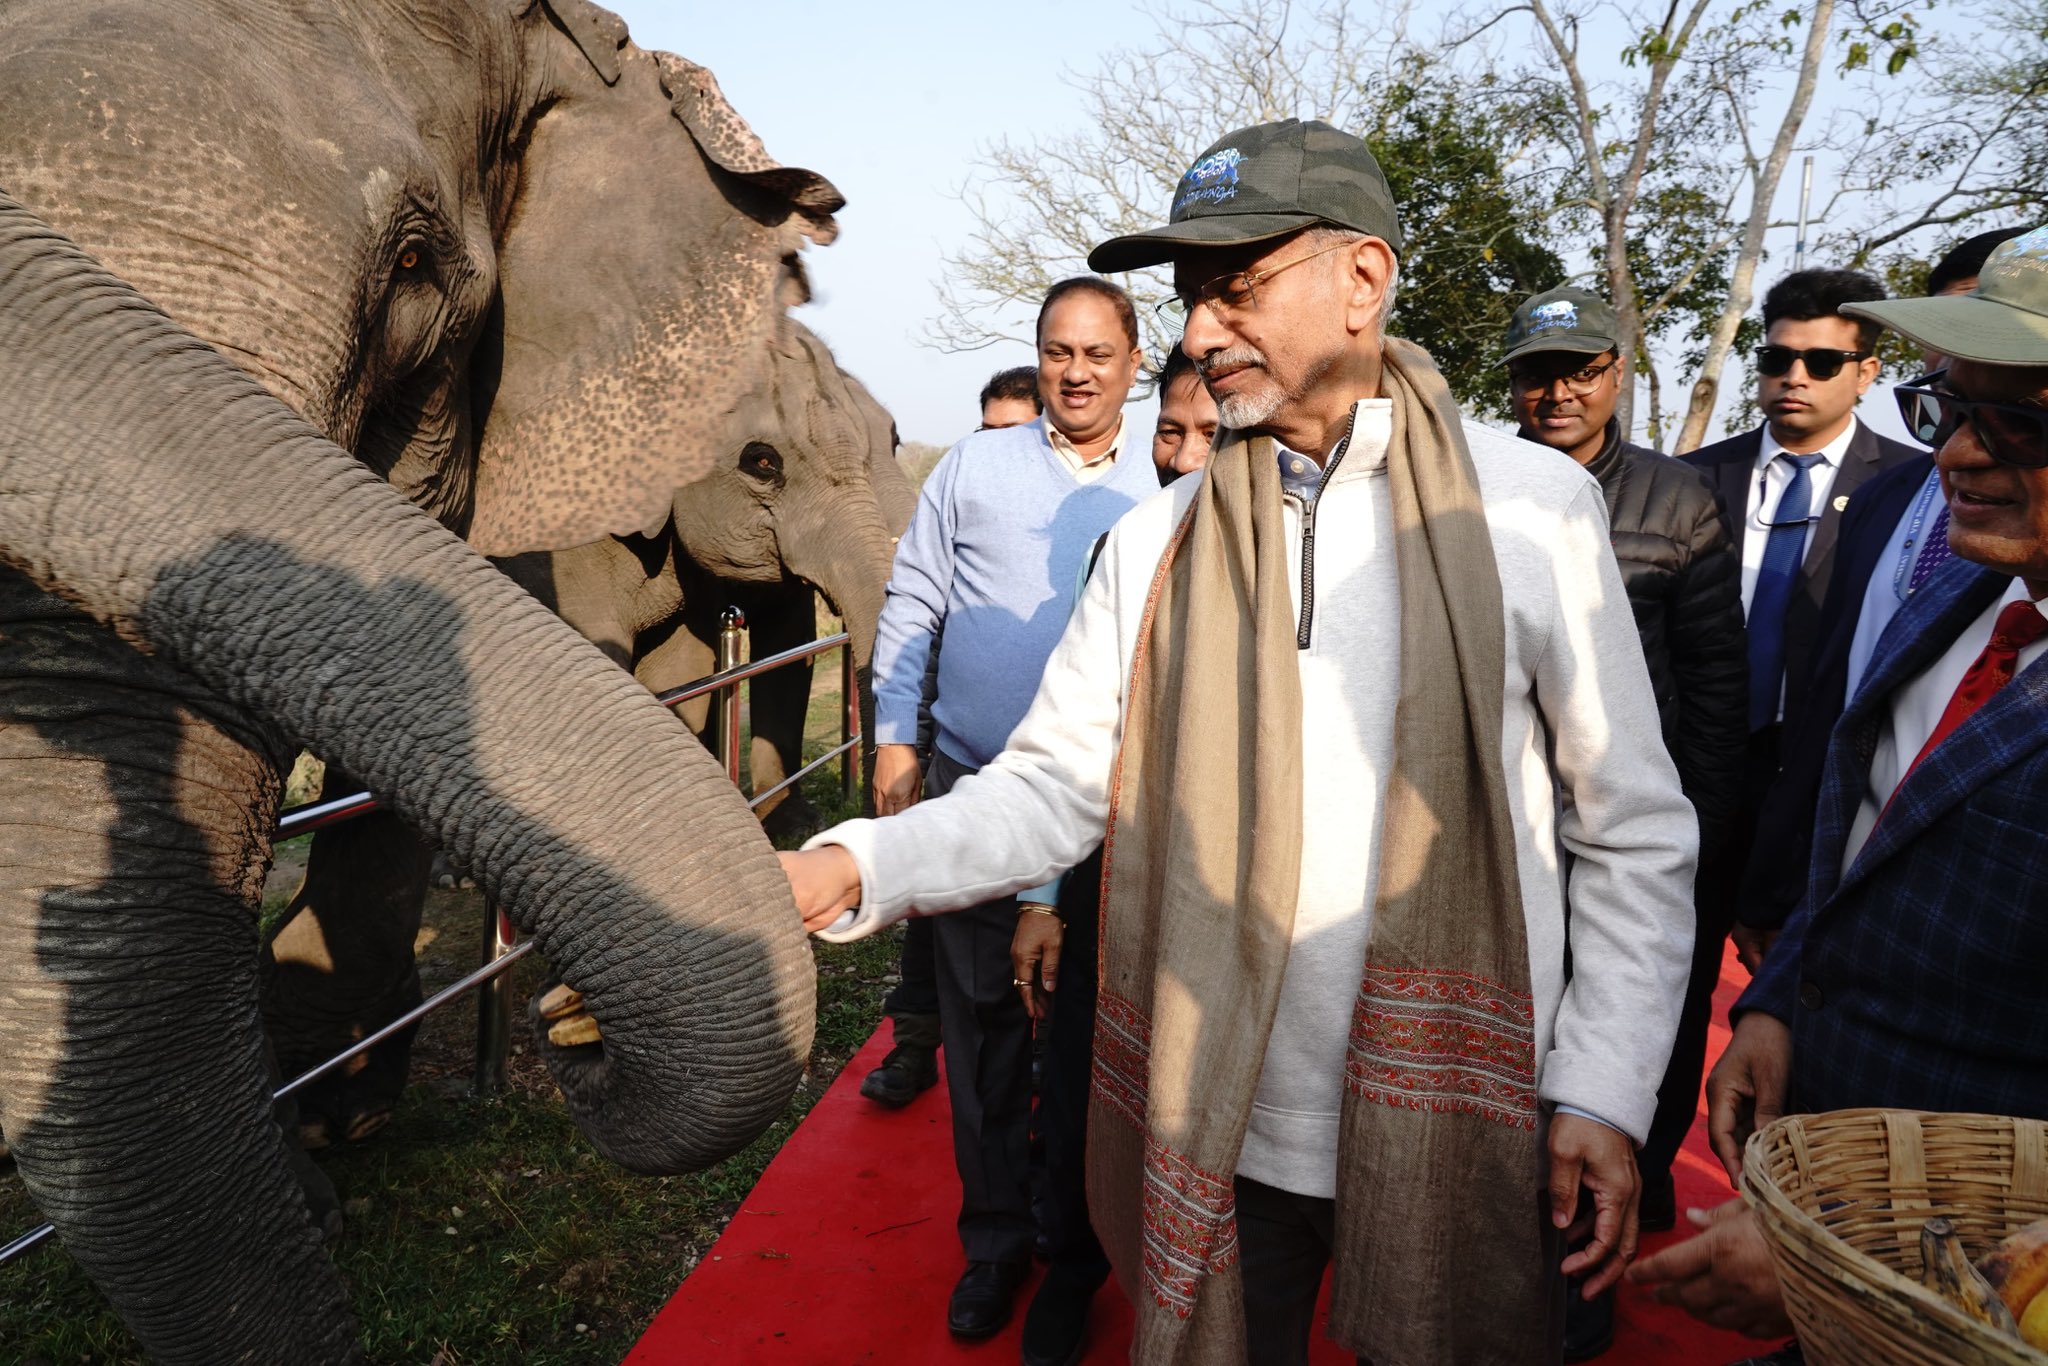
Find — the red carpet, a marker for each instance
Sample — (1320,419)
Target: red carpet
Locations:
(845,1252)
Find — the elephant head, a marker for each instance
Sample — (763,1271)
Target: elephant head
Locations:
(810,489)
(520,267)
(524,270)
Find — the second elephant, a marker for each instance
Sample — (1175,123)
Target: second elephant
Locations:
(808,497)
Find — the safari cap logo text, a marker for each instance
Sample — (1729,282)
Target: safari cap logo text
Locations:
(2028,252)
(1555,314)
(1211,180)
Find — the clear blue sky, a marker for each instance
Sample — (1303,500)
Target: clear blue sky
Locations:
(893,102)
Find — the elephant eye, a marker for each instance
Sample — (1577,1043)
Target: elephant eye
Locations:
(408,259)
(758,460)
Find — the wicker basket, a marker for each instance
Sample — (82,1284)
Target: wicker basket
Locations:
(1842,1196)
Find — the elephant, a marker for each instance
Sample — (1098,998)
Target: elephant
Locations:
(808,496)
(221,541)
(781,613)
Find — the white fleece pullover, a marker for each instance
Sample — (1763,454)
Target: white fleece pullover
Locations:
(1585,762)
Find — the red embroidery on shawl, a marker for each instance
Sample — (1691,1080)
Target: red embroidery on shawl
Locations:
(1123,1057)
(1189,1219)
(1434,1039)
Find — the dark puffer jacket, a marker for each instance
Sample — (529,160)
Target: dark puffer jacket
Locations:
(1684,580)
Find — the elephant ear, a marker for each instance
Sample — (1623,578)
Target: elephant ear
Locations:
(725,137)
(643,274)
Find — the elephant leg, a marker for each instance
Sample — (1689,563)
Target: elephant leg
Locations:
(783,618)
(342,966)
(134,1087)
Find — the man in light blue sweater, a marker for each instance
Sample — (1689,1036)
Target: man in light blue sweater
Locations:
(1001,530)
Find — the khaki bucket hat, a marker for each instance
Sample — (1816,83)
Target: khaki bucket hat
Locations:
(2003,321)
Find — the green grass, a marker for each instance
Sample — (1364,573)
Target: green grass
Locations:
(487,1231)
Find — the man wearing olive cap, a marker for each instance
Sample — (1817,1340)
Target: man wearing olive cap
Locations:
(1684,580)
(1340,701)
(1910,975)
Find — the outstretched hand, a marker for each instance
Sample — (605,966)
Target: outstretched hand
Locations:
(1585,1152)
(825,882)
(1724,1276)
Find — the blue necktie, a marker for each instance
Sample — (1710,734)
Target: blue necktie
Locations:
(1782,555)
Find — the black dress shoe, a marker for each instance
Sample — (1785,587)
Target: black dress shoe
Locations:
(1588,1324)
(981,1299)
(1056,1324)
(1658,1212)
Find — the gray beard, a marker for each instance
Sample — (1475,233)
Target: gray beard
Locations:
(1240,412)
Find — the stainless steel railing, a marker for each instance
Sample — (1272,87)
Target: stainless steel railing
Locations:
(501,945)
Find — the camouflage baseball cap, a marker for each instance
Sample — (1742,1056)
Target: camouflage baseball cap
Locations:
(2003,321)
(1260,183)
(1565,319)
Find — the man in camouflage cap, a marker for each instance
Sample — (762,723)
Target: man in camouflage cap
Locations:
(1337,712)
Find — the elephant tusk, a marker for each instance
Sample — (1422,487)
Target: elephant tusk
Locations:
(574,1030)
(561,1000)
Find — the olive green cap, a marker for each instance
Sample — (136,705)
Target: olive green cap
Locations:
(2003,321)
(1567,319)
(1260,183)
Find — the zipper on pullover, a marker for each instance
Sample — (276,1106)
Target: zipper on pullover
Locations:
(1306,628)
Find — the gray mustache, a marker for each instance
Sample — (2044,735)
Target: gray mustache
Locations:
(1230,358)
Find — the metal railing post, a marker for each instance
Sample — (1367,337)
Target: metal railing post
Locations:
(494,1005)
(849,722)
(725,709)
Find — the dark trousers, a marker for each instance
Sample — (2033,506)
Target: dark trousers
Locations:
(1716,898)
(987,1039)
(1283,1247)
(917,991)
(1075,1255)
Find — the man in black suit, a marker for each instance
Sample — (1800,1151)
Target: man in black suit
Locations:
(1894,536)
(1783,486)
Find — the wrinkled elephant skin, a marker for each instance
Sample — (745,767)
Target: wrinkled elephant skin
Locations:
(196,583)
(432,255)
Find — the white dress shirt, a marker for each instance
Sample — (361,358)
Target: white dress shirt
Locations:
(1767,487)
(1916,710)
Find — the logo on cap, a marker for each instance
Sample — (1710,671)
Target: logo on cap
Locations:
(1556,313)
(2034,244)
(1211,180)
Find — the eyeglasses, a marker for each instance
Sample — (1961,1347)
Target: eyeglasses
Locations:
(2013,434)
(1233,292)
(1578,383)
(1822,362)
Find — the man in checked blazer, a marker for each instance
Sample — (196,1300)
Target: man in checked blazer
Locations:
(1911,975)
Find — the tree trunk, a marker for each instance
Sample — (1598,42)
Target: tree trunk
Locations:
(1706,390)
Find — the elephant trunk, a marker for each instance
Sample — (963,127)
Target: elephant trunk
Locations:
(163,493)
(849,559)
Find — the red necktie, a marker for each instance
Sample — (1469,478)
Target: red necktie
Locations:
(2019,625)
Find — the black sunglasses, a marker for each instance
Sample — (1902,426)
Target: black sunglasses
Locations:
(1822,362)
(2013,434)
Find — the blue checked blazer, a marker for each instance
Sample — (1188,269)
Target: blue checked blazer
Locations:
(1918,978)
